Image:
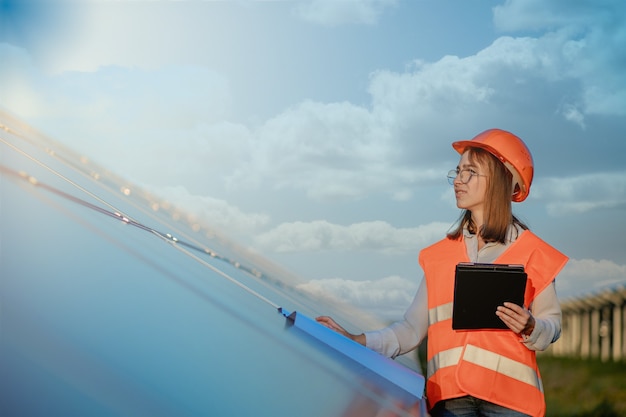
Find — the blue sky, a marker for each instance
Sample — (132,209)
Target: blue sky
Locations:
(318,133)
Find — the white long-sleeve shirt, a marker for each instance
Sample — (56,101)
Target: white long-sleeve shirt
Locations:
(405,335)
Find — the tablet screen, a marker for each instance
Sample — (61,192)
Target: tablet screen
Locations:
(480,288)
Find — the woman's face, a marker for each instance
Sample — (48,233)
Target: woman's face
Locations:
(471,194)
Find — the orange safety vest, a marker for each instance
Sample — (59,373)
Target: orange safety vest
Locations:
(492,365)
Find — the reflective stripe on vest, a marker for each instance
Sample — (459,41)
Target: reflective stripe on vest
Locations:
(439,313)
(486,359)
(503,365)
(443,359)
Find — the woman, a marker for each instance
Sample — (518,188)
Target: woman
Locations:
(481,372)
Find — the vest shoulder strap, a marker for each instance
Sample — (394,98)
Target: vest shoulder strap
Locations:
(542,262)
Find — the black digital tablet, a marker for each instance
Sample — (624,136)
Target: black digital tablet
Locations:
(480,288)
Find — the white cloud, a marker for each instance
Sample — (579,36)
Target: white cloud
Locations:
(333,151)
(456,85)
(167,126)
(213,212)
(573,114)
(334,13)
(590,45)
(583,276)
(341,150)
(427,87)
(388,297)
(583,193)
(579,68)
(367,236)
(516,15)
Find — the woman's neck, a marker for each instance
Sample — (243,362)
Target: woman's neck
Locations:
(477,219)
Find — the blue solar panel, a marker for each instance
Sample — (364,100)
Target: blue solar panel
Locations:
(114,303)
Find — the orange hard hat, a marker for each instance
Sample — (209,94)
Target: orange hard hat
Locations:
(509,149)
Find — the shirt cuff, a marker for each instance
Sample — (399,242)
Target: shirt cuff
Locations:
(541,337)
(383,341)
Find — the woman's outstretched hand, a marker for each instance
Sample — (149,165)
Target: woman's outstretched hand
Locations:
(333,325)
(516,318)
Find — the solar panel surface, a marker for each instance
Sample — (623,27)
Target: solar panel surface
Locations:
(116,303)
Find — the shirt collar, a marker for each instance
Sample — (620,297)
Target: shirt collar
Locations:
(512,233)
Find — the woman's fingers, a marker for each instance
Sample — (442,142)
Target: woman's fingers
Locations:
(515,317)
(330,323)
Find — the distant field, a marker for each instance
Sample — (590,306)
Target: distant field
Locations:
(577,388)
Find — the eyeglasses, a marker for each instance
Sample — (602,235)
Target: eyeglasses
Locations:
(465,175)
